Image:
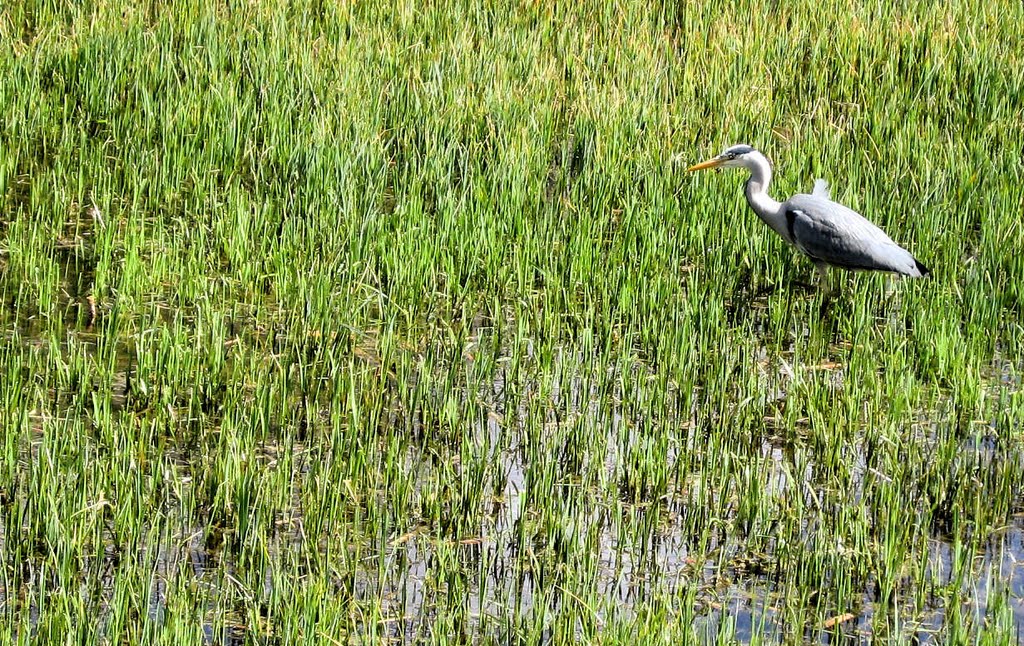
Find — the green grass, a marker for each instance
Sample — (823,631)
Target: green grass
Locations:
(335,322)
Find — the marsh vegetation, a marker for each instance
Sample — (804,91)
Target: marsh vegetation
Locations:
(360,322)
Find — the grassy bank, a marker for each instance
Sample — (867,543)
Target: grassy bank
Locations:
(333,322)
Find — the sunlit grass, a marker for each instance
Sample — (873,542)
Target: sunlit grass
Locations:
(352,322)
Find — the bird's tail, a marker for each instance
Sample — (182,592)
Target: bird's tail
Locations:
(922,270)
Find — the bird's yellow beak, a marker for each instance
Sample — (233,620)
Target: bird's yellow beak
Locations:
(711,163)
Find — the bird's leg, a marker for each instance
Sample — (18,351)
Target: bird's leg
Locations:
(823,279)
(890,286)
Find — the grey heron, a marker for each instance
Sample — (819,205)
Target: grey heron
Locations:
(827,232)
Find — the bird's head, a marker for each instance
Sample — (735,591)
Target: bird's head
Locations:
(738,156)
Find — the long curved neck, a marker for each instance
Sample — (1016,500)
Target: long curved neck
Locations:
(757,194)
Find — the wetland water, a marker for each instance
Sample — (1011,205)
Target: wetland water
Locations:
(644,530)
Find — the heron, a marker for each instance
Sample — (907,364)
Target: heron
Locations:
(830,234)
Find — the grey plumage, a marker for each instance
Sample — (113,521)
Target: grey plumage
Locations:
(821,189)
(830,234)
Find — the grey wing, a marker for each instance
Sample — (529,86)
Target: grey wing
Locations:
(833,234)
